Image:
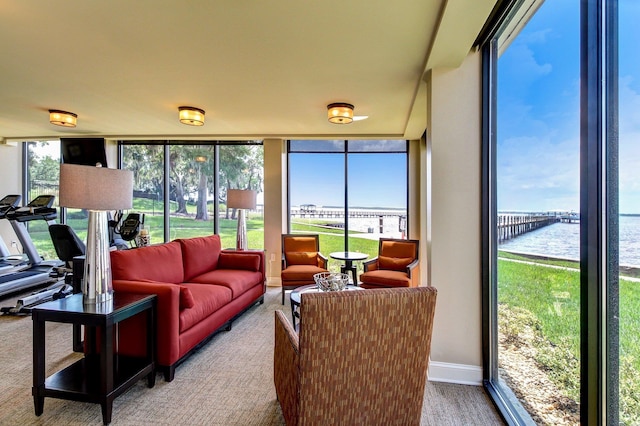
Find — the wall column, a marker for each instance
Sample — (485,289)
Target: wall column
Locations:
(453,153)
(275,205)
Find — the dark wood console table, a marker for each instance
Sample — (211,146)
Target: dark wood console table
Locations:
(101,375)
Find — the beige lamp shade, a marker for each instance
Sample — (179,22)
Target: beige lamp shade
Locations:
(95,188)
(241,199)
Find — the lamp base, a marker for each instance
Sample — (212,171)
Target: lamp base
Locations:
(96,283)
(241,235)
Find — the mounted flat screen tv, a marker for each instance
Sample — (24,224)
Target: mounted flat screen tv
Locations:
(83,151)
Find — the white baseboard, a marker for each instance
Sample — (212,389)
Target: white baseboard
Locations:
(455,373)
(274,282)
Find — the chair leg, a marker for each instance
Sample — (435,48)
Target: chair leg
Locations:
(283,295)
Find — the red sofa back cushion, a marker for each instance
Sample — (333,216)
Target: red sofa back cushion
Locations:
(200,255)
(246,261)
(154,263)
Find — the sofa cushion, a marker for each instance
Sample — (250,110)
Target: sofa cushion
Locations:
(236,280)
(199,255)
(207,299)
(186,298)
(394,263)
(302,258)
(385,278)
(154,263)
(246,261)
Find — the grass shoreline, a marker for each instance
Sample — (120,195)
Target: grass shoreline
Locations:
(628,271)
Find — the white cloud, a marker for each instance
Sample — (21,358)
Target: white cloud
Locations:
(537,174)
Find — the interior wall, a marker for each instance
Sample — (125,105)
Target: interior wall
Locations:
(454,154)
(275,205)
(10,173)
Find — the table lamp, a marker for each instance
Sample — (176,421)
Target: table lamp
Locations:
(241,199)
(96,189)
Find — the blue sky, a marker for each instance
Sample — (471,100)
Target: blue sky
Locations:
(375,180)
(538,112)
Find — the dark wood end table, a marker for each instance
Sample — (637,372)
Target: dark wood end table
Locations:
(102,375)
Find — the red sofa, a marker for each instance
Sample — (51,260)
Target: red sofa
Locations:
(200,290)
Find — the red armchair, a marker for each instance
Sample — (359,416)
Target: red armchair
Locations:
(301,260)
(397,265)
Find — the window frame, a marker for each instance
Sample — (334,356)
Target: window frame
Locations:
(598,211)
(167,144)
(345,152)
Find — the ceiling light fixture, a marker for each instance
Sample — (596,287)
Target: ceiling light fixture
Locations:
(62,118)
(340,113)
(191,116)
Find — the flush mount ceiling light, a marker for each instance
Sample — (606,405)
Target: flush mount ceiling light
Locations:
(340,113)
(62,118)
(191,116)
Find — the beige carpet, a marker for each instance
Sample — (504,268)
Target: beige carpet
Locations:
(228,382)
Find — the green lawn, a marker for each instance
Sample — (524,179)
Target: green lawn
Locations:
(547,301)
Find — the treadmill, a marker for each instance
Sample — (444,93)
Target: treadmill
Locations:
(10,263)
(35,272)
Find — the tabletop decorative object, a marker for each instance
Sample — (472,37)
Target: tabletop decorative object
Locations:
(331,281)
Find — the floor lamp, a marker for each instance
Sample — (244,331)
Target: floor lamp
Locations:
(241,199)
(96,189)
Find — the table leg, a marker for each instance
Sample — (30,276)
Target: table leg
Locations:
(349,267)
(106,411)
(106,372)
(151,333)
(78,345)
(293,314)
(38,364)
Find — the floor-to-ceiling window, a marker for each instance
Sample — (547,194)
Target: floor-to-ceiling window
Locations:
(629,208)
(181,187)
(561,322)
(351,192)
(42,167)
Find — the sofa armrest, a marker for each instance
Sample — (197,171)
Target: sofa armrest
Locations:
(370,265)
(285,367)
(167,318)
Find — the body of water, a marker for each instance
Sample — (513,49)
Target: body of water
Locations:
(563,240)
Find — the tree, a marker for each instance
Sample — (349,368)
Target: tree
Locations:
(241,167)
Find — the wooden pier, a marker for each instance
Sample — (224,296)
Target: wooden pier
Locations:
(311,211)
(512,225)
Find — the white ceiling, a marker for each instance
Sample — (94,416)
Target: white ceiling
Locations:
(259,68)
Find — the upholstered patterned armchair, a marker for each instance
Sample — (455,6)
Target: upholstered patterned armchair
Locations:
(301,260)
(361,357)
(397,265)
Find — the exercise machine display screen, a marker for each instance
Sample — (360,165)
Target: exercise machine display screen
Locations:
(42,201)
(10,200)
(9,203)
(39,208)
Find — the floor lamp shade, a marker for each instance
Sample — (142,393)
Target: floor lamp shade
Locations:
(96,189)
(241,199)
